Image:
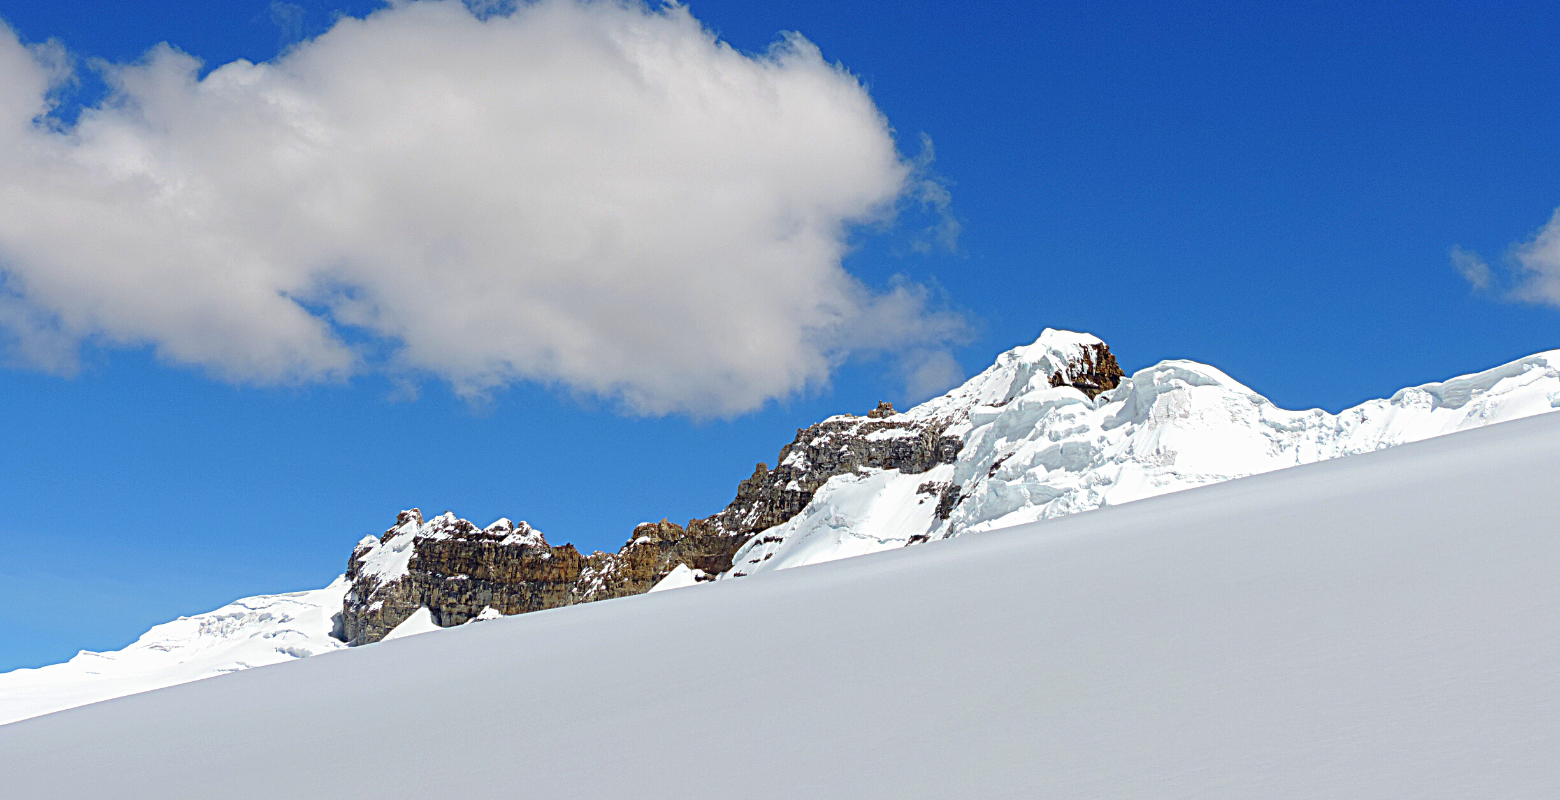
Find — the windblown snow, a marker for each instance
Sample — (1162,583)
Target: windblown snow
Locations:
(251,632)
(1031,452)
(1382,626)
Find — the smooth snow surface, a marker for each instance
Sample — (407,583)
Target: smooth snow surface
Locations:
(1033,451)
(251,632)
(1384,626)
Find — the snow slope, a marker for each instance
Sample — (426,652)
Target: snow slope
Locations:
(251,632)
(1033,451)
(1380,626)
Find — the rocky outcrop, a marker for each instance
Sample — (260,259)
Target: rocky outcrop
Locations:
(836,446)
(1097,371)
(833,447)
(655,549)
(457,569)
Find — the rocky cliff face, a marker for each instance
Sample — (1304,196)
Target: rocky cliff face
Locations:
(1094,371)
(457,569)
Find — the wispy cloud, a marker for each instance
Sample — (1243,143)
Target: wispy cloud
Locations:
(1538,265)
(596,195)
(1531,273)
(1469,265)
(289,19)
(931,191)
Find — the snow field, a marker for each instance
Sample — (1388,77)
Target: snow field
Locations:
(1380,626)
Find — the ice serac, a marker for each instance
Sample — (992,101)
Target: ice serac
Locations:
(1040,438)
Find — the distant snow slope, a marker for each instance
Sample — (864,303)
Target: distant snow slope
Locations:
(1033,451)
(251,632)
(1384,626)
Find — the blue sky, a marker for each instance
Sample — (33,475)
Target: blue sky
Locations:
(1272,191)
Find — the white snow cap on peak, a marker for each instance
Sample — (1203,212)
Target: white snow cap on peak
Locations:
(1018,371)
(1033,450)
(1056,344)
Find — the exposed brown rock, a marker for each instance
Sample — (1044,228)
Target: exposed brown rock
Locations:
(458,569)
(884,409)
(1097,372)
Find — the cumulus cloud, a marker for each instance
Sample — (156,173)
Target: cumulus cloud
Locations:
(596,195)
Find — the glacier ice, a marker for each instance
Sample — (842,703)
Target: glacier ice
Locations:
(1035,451)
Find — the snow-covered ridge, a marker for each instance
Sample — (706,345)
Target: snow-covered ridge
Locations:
(251,632)
(1033,450)
(1009,446)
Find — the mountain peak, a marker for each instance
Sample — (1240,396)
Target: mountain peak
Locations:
(1057,358)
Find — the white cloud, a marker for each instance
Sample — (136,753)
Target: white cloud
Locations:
(1532,268)
(932,192)
(1538,265)
(595,195)
(930,373)
(1469,265)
